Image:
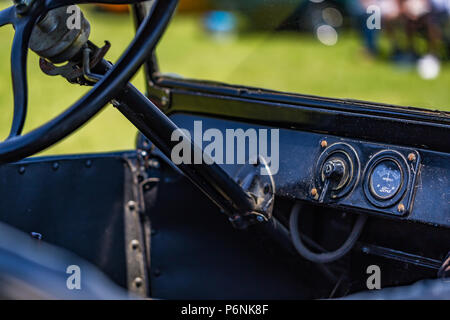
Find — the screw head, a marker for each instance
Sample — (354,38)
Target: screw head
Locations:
(22,170)
(164,101)
(401,208)
(314,192)
(134,244)
(411,157)
(138,282)
(323,143)
(131,205)
(55,166)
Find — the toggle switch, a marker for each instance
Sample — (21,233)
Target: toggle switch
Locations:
(334,175)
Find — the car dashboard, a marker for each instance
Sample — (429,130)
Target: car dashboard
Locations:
(388,181)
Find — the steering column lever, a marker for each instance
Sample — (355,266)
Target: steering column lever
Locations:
(239,203)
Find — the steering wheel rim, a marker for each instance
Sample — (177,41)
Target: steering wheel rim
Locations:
(17,146)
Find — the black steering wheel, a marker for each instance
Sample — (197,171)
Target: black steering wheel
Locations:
(23,16)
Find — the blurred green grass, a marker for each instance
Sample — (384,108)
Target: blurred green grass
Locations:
(299,63)
(271,61)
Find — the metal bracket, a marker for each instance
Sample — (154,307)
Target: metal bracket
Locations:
(257,180)
(160,96)
(137,229)
(73,71)
(397,255)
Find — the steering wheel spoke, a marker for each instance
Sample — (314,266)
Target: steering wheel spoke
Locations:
(18,147)
(19,76)
(7,16)
(23,25)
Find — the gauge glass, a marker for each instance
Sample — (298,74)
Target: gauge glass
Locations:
(386,179)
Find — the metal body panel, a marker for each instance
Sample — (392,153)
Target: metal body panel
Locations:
(197,254)
(75,202)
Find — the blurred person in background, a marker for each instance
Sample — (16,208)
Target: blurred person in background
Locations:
(440,16)
(419,18)
(391,19)
(370,36)
(403,21)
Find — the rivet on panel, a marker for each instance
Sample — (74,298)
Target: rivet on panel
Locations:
(138,282)
(134,244)
(401,208)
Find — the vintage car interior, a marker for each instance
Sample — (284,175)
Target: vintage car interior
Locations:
(358,184)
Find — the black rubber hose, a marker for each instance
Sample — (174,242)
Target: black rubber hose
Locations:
(327,256)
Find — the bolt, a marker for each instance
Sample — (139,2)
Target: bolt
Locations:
(323,143)
(164,101)
(131,205)
(144,153)
(88,163)
(138,282)
(314,192)
(134,244)
(22,170)
(55,166)
(411,157)
(401,208)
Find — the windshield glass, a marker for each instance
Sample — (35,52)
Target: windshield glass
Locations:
(389,51)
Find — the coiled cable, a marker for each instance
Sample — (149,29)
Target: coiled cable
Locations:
(325,257)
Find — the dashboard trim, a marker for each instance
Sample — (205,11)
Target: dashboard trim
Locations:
(400,126)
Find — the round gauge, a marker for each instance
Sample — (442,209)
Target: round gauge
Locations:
(386,179)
